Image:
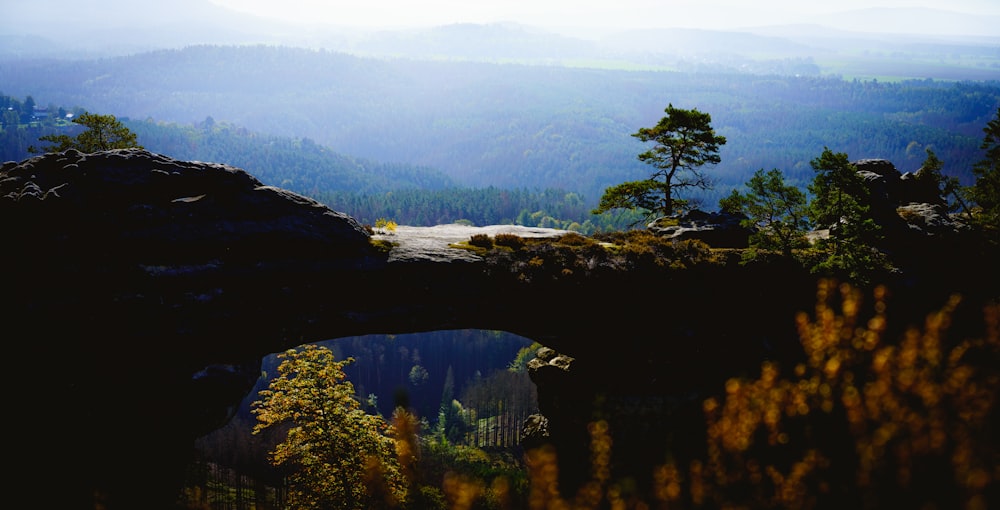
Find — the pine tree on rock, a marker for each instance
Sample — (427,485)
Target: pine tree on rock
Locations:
(683,142)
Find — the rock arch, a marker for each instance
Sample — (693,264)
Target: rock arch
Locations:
(141,292)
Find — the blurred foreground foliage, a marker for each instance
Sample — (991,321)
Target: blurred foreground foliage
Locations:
(865,422)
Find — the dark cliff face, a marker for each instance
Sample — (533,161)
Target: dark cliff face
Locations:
(137,297)
(140,294)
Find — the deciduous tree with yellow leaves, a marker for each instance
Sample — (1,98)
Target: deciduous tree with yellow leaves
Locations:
(343,457)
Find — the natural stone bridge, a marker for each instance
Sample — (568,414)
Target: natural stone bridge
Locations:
(140,294)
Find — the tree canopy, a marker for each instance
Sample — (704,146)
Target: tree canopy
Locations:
(775,209)
(103,132)
(345,458)
(683,141)
(840,203)
(986,190)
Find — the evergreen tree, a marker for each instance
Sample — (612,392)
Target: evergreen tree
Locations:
(986,190)
(103,132)
(451,425)
(28,110)
(944,186)
(840,203)
(683,141)
(776,210)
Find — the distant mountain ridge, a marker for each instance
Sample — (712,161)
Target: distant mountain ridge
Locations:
(495,41)
(122,27)
(915,21)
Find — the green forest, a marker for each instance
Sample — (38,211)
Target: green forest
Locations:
(487,143)
(515,126)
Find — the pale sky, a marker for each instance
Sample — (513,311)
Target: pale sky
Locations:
(606,13)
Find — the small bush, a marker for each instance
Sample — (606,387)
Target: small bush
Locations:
(574,239)
(481,241)
(385,226)
(694,252)
(427,497)
(382,245)
(511,241)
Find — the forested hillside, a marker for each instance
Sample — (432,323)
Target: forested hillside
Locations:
(366,190)
(297,164)
(520,126)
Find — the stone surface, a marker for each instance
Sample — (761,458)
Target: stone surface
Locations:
(720,230)
(434,244)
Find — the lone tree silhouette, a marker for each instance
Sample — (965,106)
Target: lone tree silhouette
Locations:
(684,141)
(104,132)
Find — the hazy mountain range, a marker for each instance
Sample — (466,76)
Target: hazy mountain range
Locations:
(460,99)
(55,28)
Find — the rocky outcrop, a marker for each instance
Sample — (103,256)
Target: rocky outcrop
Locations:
(718,229)
(916,229)
(902,203)
(140,293)
(907,207)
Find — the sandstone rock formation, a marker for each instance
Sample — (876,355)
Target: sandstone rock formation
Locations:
(718,229)
(140,293)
